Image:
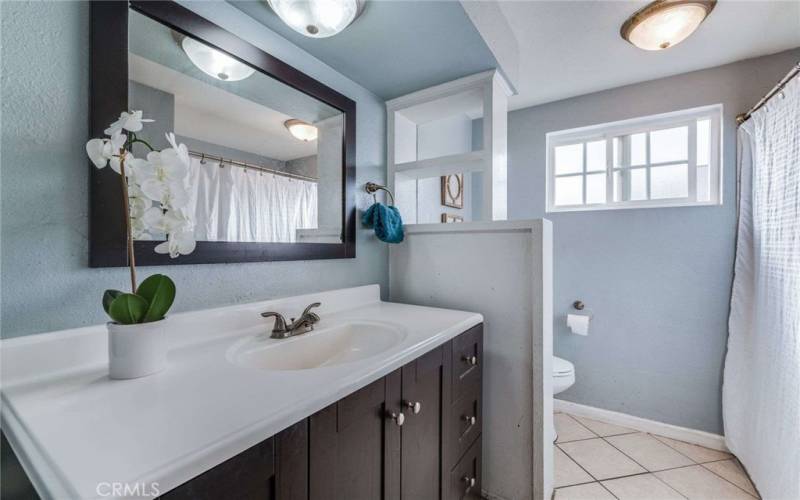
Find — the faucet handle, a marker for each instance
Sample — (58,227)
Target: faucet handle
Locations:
(307,310)
(280,321)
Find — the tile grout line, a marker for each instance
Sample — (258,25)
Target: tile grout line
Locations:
(726,479)
(647,471)
(593,433)
(605,488)
(656,436)
(669,485)
(626,455)
(576,463)
(701,464)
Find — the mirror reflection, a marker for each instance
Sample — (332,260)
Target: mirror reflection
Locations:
(266,159)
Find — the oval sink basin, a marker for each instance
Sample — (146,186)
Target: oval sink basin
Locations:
(330,346)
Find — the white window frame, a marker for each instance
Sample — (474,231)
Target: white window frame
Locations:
(646,124)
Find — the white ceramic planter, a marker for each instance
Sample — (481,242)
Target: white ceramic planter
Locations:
(136,350)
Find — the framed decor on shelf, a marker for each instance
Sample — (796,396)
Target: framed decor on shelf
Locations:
(453,190)
(451,218)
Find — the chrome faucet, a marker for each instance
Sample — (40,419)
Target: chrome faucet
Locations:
(303,324)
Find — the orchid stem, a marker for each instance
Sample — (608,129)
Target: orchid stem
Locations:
(126,205)
(134,141)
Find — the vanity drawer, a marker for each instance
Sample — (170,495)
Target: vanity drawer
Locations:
(466,421)
(465,478)
(467,361)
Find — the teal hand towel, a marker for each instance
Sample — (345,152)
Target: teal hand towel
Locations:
(386,222)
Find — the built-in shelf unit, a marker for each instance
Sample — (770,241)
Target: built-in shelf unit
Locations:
(457,127)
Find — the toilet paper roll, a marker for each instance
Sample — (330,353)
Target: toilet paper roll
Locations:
(578,323)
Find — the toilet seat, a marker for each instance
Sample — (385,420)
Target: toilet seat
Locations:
(562,367)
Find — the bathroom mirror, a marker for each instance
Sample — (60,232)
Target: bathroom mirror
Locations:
(271,150)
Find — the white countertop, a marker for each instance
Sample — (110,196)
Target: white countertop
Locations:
(72,427)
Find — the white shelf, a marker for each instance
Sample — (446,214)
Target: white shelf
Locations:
(443,165)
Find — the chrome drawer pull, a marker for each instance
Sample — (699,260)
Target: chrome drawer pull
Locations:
(416,407)
(470,360)
(398,418)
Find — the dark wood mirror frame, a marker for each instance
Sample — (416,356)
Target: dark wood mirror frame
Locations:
(109,96)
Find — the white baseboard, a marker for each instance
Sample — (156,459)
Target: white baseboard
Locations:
(707,439)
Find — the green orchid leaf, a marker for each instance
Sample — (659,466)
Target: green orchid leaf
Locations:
(128,309)
(108,298)
(159,291)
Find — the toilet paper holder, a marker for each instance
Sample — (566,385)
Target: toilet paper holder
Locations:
(578,305)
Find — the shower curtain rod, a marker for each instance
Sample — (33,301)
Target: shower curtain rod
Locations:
(775,90)
(253,166)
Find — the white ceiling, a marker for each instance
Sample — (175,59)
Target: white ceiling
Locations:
(213,115)
(569,48)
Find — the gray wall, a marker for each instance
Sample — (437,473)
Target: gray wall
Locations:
(657,280)
(159,106)
(46,284)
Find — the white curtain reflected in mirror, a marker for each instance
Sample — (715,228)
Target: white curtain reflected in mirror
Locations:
(232,203)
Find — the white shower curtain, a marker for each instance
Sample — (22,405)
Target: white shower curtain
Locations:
(234,204)
(761,390)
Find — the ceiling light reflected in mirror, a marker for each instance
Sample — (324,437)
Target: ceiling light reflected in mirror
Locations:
(301,130)
(214,63)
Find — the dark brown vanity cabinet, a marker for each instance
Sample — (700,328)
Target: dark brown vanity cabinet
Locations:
(414,434)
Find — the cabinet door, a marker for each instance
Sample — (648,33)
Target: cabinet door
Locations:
(421,462)
(350,444)
(249,475)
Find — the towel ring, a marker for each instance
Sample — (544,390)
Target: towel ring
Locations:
(372,188)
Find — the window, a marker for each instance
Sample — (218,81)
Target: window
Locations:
(664,160)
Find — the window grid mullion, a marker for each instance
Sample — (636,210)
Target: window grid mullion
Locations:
(647,163)
(583,178)
(609,169)
(692,169)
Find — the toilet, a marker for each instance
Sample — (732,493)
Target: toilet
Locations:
(563,375)
(563,378)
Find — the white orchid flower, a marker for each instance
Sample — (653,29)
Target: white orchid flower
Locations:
(170,194)
(177,244)
(132,122)
(137,207)
(181,149)
(101,151)
(139,230)
(164,166)
(162,178)
(130,164)
(159,221)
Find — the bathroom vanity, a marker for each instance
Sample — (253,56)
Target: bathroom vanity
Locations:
(381,400)
(408,435)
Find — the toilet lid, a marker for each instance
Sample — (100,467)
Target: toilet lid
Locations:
(562,367)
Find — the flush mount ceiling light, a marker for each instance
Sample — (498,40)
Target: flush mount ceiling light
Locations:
(665,23)
(214,63)
(301,130)
(317,18)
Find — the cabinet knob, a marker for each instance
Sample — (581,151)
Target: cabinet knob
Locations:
(398,418)
(416,407)
(469,419)
(469,481)
(470,360)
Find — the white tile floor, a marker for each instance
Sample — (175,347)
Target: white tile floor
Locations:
(598,461)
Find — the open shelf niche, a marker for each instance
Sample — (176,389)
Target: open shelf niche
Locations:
(458,127)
